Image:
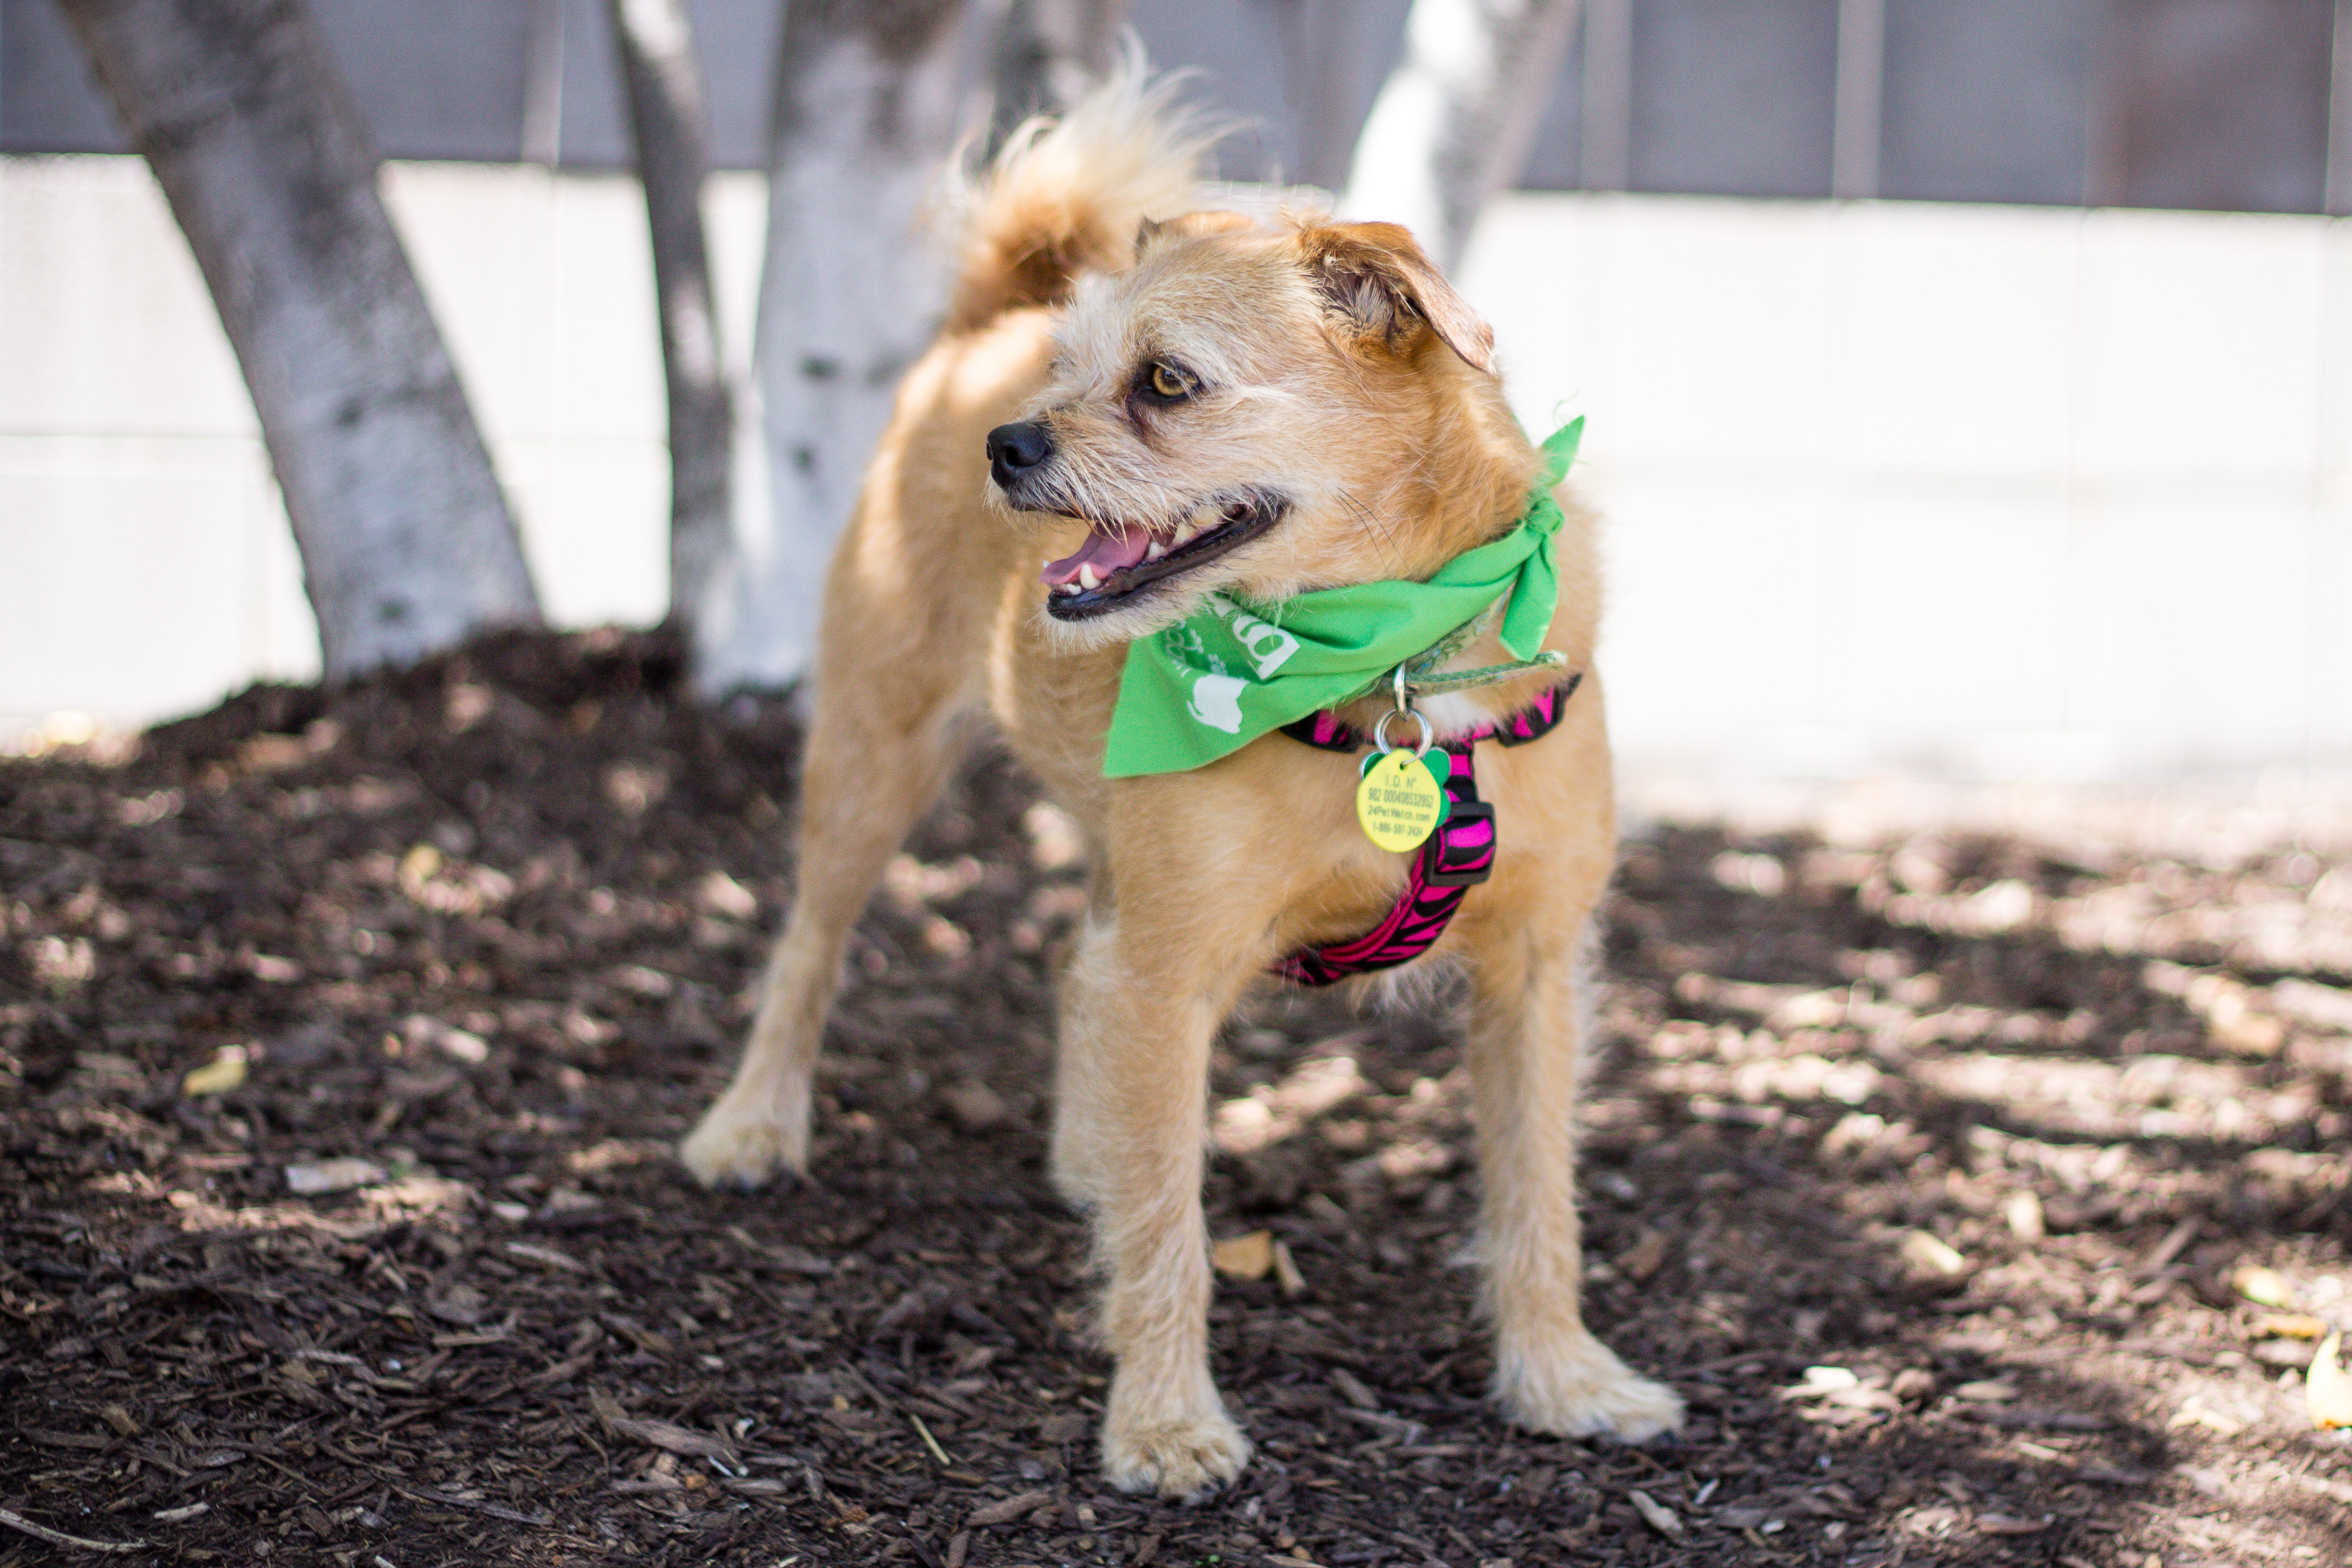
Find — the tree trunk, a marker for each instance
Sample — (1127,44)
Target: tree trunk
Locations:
(1455,120)
(1048,53)
(865,112)
(656,43)
(406,542)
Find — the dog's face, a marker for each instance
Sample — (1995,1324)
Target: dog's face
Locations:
(1264,409)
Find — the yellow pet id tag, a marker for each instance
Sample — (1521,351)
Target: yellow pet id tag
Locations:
(1399,800)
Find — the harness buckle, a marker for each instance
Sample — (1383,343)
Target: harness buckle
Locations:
(1435,872)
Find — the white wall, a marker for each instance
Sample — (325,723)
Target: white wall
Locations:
(1989,491)
(145,564)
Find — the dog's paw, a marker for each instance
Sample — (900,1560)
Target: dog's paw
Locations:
(734,1149)
(1183,1460)
(1579,1389)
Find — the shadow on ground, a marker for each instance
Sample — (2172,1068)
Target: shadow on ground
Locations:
(1935,1172)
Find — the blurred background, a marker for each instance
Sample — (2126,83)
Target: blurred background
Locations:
(1969,385)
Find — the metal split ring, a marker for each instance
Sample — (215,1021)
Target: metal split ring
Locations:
(1380,730)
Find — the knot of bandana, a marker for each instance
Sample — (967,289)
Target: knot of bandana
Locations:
(1233,670)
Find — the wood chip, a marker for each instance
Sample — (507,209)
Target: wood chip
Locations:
(1644,1258)
(1656,1515)
(2028,1417)
(1926,1254)
(660,1435)
(322,1177)
(15,1520)
(974,1106)
(2264,1287)
(637,1334)
(1286,1271)
(2174,1242)
(1244,1256)
(225,1072)
(2326,1391)
(1352,1389)
(2009,1525)
(1005,1511)
(533,1253)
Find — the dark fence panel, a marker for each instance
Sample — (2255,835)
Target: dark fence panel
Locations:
(1988,100)
(1732,97)
(2192,104)
(1302,72)
(2217,103)
(444,79)
(489,81)
(49,102)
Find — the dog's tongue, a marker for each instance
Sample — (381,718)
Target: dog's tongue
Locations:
(1105,553)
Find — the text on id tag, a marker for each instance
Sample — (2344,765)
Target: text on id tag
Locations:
(1398,802)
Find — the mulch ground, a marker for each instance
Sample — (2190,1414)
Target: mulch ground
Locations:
(1942,1173)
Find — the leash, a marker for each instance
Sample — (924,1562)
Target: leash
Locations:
(1459,855)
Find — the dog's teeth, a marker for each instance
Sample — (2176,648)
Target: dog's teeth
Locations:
(1088,578)
(1066,587)
(1154,551)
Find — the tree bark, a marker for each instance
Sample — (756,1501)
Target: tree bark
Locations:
(1048,53)
(1455,120)
(865,110)
(656,43)
(406,542)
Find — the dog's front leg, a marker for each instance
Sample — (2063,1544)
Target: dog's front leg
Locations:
(1525,1051)
(872,763)
(1127,1145)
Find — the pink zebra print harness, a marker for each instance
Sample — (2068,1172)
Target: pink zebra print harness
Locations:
(1458,855)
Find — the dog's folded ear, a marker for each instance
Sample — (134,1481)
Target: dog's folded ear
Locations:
(1375,276)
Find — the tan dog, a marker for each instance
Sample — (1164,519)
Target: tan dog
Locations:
(1287,406)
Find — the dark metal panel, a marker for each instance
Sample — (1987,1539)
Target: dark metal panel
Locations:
(49,100)
(1732,97)
(1988,101)
(1301,74)
(1237,47)
(1554,163)
(2215,103)
(595,129)
(434,78)
(735,44)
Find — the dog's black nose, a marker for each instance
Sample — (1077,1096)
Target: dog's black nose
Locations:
(1015,449)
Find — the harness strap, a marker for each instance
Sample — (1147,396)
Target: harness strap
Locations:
(1327,731)
(1458,855)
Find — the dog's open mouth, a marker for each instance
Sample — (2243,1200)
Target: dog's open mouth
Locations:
(1117,561)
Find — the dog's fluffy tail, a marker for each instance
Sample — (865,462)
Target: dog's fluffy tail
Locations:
(1067,196)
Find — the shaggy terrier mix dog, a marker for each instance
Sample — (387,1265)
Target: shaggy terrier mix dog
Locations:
(1217,430)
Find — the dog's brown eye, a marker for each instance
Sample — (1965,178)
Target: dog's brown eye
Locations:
(1169,384)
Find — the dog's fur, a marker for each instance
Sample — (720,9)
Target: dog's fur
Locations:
(1342,382)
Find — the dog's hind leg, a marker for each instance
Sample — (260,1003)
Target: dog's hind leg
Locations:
(1525,1051)
(885,734)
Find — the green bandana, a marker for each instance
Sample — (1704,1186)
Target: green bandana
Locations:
(1217,680)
